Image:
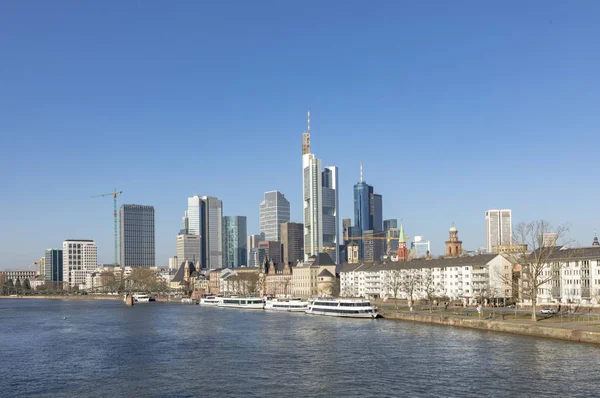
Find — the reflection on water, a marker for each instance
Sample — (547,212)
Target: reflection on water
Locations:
(156,350)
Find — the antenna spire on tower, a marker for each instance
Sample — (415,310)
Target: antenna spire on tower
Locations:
(309,120)
(361,172)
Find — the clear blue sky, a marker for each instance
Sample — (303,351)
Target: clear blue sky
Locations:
(453,107)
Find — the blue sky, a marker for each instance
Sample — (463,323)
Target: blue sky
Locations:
(453,107)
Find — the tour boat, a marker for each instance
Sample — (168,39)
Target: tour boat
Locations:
(344,307)
(292,305)
(141,298)
(250,303)
(210,300)
(187,300)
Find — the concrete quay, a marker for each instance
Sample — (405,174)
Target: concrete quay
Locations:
(581,332)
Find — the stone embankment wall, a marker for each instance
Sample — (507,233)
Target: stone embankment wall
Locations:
(74,297)
(571,334)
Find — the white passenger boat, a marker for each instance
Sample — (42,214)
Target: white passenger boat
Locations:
(250,303)
(210,300)
(187,300)
(292,305)
(344,307)
(141,298)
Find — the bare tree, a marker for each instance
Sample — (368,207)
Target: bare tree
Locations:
(428,286)
(393,283)
(411,281)
(541,261)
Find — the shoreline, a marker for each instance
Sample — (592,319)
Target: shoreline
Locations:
(577,335)
(82,297)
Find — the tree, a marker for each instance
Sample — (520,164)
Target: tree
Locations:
(18,285)
(26,285)
(429,287)
(393,283)
(541,262)
(410,282)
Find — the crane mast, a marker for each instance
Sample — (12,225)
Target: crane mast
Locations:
(114,195)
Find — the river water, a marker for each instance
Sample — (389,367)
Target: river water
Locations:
(105,349)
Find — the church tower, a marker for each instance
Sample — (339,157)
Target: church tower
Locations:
(453,245)
(402,250)
(595,242)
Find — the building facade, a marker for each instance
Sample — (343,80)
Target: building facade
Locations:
(258,255)
(373,246)
(420,248)
(389,224)
(498,228)
(236,249)
(189,248)
(137,236)
(331,204)
(292,242)
(376,212)
(80,256)
(453,245)
(305,276)
(205,219)
(53,263)
(274,210)
(272,250)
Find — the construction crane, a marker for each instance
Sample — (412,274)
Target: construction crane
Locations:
(389,239)
(325,249)
(114,195)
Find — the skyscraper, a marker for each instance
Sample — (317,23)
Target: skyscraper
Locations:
(320,203)
(346,224)
(272,250)
(234,241)
(274,210)
(205,219)
(137,236)
(376,212)
(291,241)
(373,248)
(53,263)
(189,248)
(362,204)
(498,228)
(80,256)
(389,224)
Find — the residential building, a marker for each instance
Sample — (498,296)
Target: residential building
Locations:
(236,249)
(53,265)
(80,256)
(353,250)
(498,228)
(274,210)
(305,276)
(420,248)
(258,255)
(389,224)
(453,245)
(471,279)
(205,219)
(272,250)
(137,236)
(292,241)
(189,248)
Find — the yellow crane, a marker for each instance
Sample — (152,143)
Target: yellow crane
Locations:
(388,238)
(114,195)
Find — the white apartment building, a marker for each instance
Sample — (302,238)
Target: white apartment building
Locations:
(79,258)
(463,278)
(498,228)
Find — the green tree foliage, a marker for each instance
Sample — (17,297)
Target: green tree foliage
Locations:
(26,284)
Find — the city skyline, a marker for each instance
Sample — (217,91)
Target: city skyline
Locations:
(507,81)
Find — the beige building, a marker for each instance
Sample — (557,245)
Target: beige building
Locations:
(305,277)
(279,279)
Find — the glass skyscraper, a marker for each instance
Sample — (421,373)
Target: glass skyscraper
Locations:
(53,265)
(362,205)
(234,242)
(274,210)
(137,236)
(205,219)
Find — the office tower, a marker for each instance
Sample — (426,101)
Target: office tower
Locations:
(252,243)
(258,255)
(274,210)
(205,219)
(312,196)
(80,256)
(272,250)
(174,262)
(392,238)
(373,246)
(234,242)
(420,247)
(331,203)
(346,224)
(498,228)
(53,265)
(189,248)
(292,241)
(389,224)
(137,236)
(362,204)
(185,224)
(376,212)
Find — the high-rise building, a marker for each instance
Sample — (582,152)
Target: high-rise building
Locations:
(137,236)
(392,238)
(346,224)
(498,228)
(362,204)
(274,210)
(420,247)
(331,204)
(252,243)
(53,265)
(272,250)
(80,256)
(174,262)
(373,246)
(189,248)
(185,224)
(389,224)
(234,241)
(292,241)
(258,255)
(376,212)
(205,219)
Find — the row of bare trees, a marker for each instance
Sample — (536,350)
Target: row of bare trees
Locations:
(410,282)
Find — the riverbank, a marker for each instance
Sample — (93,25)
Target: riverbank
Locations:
(581,332)
(85,297)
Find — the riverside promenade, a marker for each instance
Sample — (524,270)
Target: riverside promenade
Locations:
(582,329)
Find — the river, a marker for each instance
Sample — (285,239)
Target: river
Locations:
(60,348)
